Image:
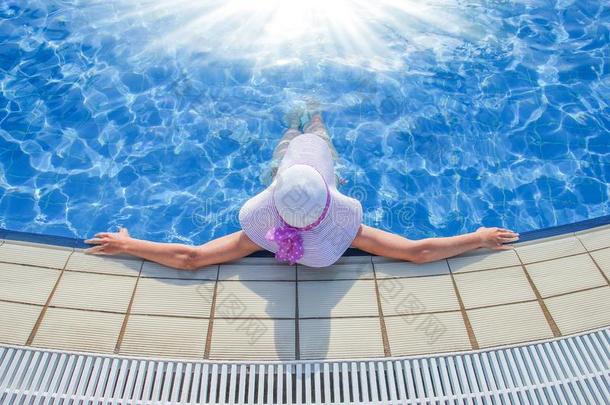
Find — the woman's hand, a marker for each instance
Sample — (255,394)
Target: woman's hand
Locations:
(109,243)
(495,238)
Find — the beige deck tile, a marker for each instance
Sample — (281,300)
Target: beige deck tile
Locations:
(427,333)
(565,275)
(150,269)
(72,329)
(596,238)
(513,323)
(26,284)
(17,321)
(340,338)
(173,297)
(581,311)
(164,336)
(553,248)
(249,299)
(34,255)
(602,258)
(104,264)
(344,271)
(337,298)
(270,272)
(483,259)
(253,339)
(100,292)
(411,296)
(494,287)
(386,269)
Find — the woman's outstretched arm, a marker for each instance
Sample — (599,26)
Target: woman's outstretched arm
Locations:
(382,243)
(179,256)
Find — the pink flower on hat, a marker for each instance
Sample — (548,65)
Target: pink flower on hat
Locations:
(289,242)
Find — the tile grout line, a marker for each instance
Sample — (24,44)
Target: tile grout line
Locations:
(513,265)
(474,343)
(43,312)
(308,317)
(105,311)
(33,265)
(448,311)
(595,262)
(473,271)
(297,335)
(80,271)
(576,291)
(545,310)
(551,259)
(21,302)
(384,331)
(119,341)
(104,274)
(264,281)
(208,339)
(596,250)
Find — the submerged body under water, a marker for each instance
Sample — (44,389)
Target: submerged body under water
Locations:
(510,129)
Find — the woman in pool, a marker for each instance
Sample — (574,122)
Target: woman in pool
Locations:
(302,218)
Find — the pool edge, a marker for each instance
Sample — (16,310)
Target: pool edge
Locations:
(54,240)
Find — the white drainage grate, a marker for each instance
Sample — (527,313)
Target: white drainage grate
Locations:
(573,370)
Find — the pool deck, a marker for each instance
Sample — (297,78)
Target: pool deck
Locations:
(57,297)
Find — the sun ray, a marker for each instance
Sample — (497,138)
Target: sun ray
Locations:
(273,31)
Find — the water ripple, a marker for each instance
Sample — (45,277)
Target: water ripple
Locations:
(510,128)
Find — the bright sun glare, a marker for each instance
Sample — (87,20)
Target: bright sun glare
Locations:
(367,33)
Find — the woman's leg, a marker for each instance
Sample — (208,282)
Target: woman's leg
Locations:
(282,145)
(280,150)
(316,126)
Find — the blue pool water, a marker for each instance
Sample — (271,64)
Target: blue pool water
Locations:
(159,118)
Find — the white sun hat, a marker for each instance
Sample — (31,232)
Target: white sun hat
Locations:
(301,216)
